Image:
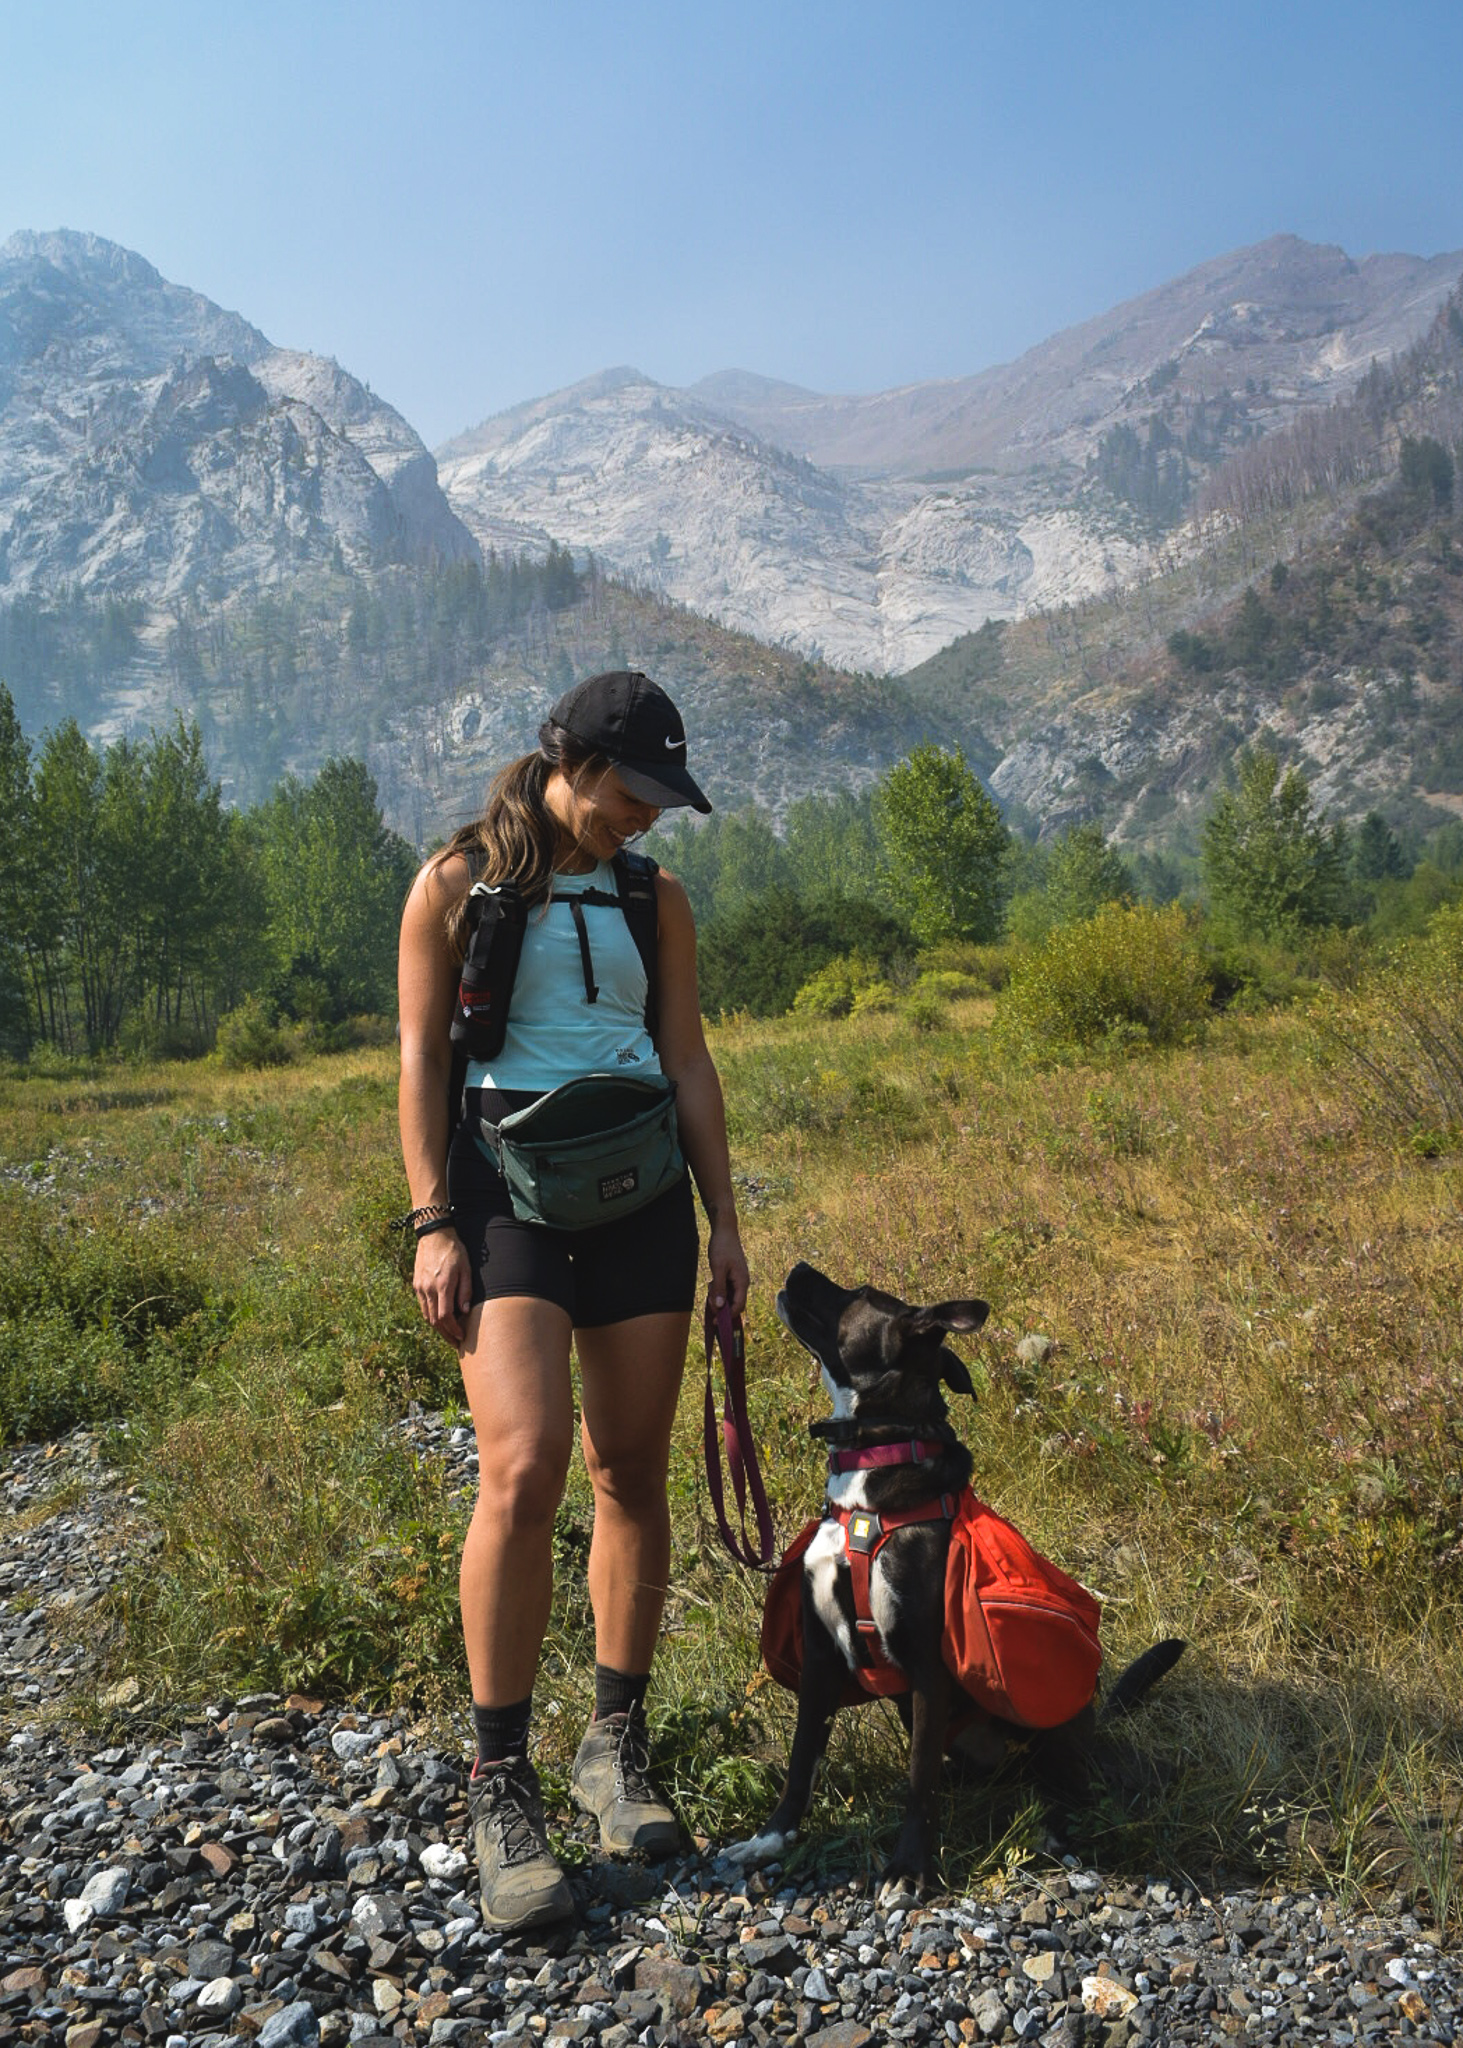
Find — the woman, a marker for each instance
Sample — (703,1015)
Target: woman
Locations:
(512,1295)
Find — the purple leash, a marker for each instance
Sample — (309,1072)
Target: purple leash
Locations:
(724,1334)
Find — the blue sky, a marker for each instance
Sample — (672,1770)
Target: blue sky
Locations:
(470,205)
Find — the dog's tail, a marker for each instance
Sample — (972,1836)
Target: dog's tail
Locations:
(1135,1683)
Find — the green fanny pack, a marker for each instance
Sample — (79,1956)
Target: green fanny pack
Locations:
(596,1148)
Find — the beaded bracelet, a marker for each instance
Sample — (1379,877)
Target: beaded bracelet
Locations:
(447,1222)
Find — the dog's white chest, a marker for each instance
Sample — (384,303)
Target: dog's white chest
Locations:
(824,1558)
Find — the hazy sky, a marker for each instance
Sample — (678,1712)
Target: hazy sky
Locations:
(473,204)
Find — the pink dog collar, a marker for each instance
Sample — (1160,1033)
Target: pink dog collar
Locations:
(914,1453)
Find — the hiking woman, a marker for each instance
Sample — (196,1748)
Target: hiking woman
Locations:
(512,1295)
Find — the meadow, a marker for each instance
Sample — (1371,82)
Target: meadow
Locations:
(1246,1429)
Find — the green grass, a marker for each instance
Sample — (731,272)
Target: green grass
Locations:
(1247,1432)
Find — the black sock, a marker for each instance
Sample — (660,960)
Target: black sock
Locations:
(616,1692)
(502,1732)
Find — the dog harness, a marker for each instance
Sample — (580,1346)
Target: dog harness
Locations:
(864,1536)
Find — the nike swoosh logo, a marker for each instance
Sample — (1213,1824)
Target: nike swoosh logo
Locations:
(675,743)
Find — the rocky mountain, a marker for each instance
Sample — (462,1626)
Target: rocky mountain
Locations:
(153,445)
(873,530)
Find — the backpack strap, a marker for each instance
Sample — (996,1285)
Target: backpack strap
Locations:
(457,1075)
(635,875)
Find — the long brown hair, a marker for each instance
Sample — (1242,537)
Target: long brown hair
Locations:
(518,838)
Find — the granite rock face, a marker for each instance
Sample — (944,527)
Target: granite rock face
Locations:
(153,445)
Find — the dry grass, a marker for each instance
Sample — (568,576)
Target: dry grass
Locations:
(1247,1432)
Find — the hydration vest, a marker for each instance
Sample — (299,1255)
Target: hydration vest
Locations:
(496,919)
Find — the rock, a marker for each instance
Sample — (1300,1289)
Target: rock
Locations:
(220,1994)
(1107,1998)
(990,2014)
(208,1958)
(678,1985)
(106,1892)
(441,1860)
(293,2026)
(844,2034)
(377,1918)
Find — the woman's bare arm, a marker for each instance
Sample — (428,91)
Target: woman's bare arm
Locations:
(427,975)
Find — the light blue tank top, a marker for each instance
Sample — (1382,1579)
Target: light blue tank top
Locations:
(554,1033)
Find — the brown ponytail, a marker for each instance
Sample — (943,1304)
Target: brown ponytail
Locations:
(518,838)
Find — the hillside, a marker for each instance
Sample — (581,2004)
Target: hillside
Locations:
(874,530)
(1318,606)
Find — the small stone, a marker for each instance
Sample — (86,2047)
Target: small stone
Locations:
(990,2014)
(29,1979)
(386,1997)
(1412,2005)
(220,1994)
(844,2034)
(208,1958)
(376,1918)
(219,1859)
(1040,1968)
(106,1892)
(441,1860)
(86,2034)
(1107,1998)
(679,1985)
(293,2026)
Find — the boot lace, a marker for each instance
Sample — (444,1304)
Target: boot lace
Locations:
(507,1802)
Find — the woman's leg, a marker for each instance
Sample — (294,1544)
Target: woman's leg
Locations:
(630,1376)
(515,1369)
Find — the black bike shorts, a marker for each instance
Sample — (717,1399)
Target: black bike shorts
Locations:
(643,1264)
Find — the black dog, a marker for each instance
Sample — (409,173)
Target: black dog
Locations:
(884,1363)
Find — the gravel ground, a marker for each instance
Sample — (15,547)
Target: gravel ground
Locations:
(281,1872)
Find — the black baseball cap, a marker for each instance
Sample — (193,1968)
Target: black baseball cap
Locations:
(633,723)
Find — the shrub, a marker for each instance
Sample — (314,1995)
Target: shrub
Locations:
(1134,974)
(987,968)
(847,986)
(1401,1034)
(251,1036)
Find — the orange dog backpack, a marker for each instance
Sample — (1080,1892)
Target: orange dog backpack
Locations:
(1021,1637)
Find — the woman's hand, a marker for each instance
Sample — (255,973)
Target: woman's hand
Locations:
(729,1276)
(442,1283)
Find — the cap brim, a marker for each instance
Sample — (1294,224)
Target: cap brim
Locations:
(668,789)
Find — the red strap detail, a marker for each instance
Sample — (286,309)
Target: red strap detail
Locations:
(724,1334)
(861,1561)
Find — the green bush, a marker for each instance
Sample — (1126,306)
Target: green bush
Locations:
(986,968)
(849,986)
(1130,975)
(1401,1035)
(252,1036)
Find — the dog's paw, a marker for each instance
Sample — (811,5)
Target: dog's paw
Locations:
(763,1848)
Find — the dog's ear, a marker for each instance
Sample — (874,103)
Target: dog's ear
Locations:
(954,1374)
(949,1315)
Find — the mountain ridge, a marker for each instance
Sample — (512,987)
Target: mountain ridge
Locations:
(933,506)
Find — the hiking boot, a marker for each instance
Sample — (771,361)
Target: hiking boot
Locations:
(612,1781)
(522,1885)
